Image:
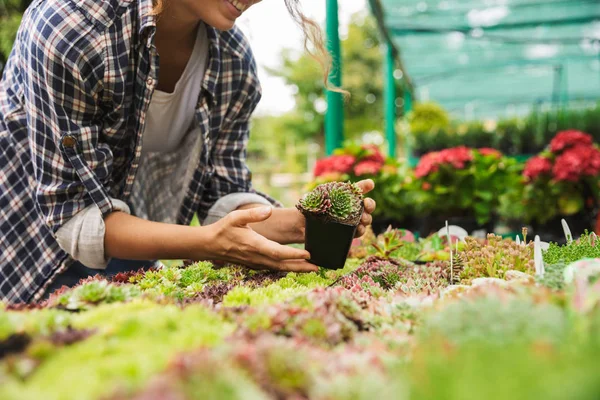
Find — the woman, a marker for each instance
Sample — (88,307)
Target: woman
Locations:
(91,134)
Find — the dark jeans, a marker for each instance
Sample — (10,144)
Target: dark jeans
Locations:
(78,271)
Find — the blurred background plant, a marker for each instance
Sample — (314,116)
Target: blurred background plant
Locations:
(560,182)
(11,12)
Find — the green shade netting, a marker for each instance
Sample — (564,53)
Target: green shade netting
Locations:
(490,58)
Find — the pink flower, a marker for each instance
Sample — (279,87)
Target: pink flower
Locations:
(537,166)
(367,168)
(457,157)
(487,151)
(374,154)
(577,162)
(428,164)
(571,138)
(339,163)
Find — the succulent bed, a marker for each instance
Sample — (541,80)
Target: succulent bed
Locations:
(384,325)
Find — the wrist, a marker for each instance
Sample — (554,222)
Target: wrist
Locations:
(202,243)
(292,224)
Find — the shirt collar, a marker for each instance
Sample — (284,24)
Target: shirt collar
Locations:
(213,70)
(147,21)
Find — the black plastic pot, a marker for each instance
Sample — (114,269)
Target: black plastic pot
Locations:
(328,242)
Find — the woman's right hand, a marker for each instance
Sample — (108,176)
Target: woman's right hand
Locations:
(231,239)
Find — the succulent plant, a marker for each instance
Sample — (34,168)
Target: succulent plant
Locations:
(340,201)
(492,258)
(315,202)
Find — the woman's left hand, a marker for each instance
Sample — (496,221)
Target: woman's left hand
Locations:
(286,225)
(366,185)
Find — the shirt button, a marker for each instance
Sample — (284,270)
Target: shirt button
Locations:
(150,81)
(69,141)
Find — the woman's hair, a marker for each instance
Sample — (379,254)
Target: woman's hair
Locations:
(312,35)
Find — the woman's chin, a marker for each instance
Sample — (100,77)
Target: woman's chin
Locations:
(222,24)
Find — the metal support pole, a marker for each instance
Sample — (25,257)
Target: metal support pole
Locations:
(556,86)
(334,119)
(390,102)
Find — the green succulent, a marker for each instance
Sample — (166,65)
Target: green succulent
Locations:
(315,202)
(340,201)
(346,199)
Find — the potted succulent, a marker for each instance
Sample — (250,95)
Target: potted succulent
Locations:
(355,162)
(332,211)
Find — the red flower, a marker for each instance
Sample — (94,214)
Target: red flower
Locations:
(374,154)
(426,186)
(537,166)
(487,151)
(458,157)
(340,163)
(367,168)
(577,162)
(567,139)
(428,164)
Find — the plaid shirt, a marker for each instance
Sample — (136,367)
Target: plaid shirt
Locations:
(73,100)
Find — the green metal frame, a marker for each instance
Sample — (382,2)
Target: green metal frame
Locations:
(334,119)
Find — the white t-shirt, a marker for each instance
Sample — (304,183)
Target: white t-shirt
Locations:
(171,115)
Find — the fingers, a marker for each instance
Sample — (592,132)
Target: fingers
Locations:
(282,258)
(285,266)
(245,217)
(366,185)
(366,219)
(370,205)
(360,231)
(278,252)
(297,266)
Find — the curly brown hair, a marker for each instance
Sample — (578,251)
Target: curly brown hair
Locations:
(312,36)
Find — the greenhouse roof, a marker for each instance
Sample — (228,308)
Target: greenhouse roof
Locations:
(483,58)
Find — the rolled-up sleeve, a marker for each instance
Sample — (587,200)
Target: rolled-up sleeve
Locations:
(72,167)
(83,236)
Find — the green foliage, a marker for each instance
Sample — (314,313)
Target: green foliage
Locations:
(512,136)
(453,192)
(493,258)
(11,12)
(180,283)
(362,71)
(428,118)
(133,341)
(34,323)
(388,243)
(493,321)
(96,292)
(585,247)
(514,371)
(553,276)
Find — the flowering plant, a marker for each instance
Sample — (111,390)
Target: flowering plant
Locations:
(356,162)
(461,181)
(562,180)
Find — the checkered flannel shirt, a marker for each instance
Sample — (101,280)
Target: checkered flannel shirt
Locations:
(73,101)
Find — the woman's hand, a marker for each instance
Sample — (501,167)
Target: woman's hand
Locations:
(287,225)
(232,239)
(365,220)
